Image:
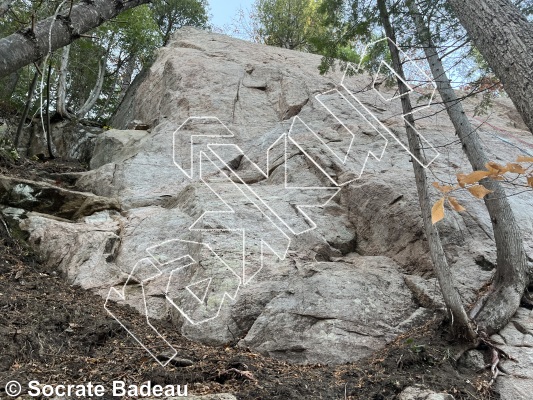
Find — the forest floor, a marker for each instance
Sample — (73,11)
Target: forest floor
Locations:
(56,333)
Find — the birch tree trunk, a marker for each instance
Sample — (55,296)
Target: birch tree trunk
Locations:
(505,39)
(49,143)
(62,87)
(31,92)
(440,264)
(127,75)
(23,48)
(61,101)
(512,270)
(95,92)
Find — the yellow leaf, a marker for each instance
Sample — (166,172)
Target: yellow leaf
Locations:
(530,181)
(455,204)
(479,191)
(489,166)
(495,168)
(460,179)
(474,177)
(524,159)
(443,189)
(437,212)
(516,168)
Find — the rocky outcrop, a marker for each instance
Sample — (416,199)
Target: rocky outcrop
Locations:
(332,307)
(215,225)
(516,339)
(70,140)
(420,393)
(52,199)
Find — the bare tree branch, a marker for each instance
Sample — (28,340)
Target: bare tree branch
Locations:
(25,47)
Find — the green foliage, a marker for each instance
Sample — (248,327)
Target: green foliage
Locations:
(349,24)
(480,66)
(415,348)
(376,54)
(126,43)
(526,6)
(135,32)
(291,24)
(170,15)
(485,105)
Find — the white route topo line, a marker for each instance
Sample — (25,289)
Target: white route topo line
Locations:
(210,302)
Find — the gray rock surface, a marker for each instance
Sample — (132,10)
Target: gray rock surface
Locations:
(71,140)
(318,316)
(333,284)
(116,146)
(516,339)
(421,393)
(473,359)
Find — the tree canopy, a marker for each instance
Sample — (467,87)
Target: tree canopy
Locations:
(90,75)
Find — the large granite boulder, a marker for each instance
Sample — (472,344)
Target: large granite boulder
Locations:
(216,226)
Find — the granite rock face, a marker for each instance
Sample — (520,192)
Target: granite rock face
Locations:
(216,226)
(70,140)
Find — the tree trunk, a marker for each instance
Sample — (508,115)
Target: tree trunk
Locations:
(126,77)
(8,85)
(23,48)
(48,127)
(505,39)
(440,264)
(95,92)
(26,111)
(511,272)
(61,101)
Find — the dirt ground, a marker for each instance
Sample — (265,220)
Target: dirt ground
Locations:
(56,333)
